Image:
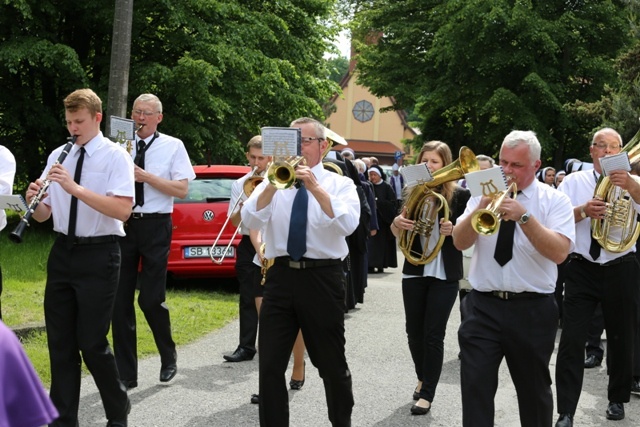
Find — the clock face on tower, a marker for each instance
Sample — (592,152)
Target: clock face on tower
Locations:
(363,111)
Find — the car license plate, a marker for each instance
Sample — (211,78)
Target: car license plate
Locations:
(205,252)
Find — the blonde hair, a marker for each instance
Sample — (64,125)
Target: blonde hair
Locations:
(83,98)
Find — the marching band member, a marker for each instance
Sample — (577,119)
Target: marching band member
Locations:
(7,174)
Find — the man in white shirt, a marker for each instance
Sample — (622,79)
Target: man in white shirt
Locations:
(511,312)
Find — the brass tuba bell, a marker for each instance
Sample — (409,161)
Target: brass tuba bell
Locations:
(423,205)
(618,230)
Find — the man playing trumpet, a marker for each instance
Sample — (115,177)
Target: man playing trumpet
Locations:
(511,312)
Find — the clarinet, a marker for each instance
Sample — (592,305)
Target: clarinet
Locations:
(16,234)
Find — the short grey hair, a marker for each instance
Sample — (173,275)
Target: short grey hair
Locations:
(485,158)
(610,131)
(319,127)
(149,97)
(528,137)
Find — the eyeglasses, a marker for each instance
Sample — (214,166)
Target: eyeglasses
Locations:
(307,140)
(146,113)
(602,146)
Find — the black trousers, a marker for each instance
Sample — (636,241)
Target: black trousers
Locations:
(427,305)
(78,302)
(594,345)
(312,300)
(248,280)
(147,241)
(523,332)
(616,288)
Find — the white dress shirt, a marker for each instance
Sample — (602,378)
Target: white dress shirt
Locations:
(580,187)
(237,193)
(7,174)
(107,170)
(528,270)
(168,159)
(326,237)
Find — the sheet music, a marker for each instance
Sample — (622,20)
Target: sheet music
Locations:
(281,142)
(416,174)
(122,129)
(14,202)
(615,162)
(486,182)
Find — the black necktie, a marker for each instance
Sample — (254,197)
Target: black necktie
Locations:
(594,249)
(504,245)
(297,241)
(139,160)
(73,211)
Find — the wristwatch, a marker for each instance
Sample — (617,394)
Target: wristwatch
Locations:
(524,218)
(583,214)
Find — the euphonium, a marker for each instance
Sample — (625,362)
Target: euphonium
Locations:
(423,205)
(618,230)
(487,221)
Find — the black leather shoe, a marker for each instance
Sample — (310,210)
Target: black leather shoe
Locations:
(255,398)
(297,384)
(416,395)
(635,386)
(419,410)
(565,420)
(615,411)
(168,372)
(240,355)
(129,384)
(592,361)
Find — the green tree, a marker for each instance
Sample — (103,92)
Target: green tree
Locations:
(477,69)
(222,68)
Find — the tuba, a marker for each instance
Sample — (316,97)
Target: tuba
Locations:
(487,221)
(620,212)
(423,205)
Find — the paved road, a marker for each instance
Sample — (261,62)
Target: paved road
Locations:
(210,392)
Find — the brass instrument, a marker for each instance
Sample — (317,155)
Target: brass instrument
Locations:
(620,212)
(249,185)
(487,221)
(16,234)
(282,172)
(266,264)
(332,167)
(423,205)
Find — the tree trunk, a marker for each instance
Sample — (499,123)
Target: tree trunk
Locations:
(120,58)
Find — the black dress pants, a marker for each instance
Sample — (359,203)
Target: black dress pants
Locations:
(312,300)
(616,288)
(78,302)
(523,332)
(147,241)
(248,279)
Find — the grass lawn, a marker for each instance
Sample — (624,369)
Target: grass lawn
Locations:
(195,312)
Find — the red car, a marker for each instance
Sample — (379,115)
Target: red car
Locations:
(197,221)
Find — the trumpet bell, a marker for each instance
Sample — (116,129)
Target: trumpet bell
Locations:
(487,221)
(282,174)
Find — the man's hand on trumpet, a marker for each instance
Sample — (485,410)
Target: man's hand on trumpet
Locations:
(511,209)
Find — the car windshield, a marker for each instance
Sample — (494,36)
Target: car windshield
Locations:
(202,190)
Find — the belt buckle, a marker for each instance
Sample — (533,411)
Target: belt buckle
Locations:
(502,294)
(298,265)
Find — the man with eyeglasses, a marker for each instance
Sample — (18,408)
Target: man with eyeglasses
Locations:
(162,171)
(596,275)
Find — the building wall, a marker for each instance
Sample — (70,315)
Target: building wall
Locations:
(385,126)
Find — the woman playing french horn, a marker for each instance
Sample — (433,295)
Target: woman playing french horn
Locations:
(429,290)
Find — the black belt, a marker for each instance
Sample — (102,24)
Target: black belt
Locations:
(624,258)
(504,295)
(305,263)
(93,240)
(143,215)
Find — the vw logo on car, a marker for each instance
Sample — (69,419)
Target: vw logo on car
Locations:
(208,215)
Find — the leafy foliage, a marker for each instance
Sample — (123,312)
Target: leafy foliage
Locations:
(222,68)
(477,69)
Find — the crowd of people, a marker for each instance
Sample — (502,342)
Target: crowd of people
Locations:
(303,262)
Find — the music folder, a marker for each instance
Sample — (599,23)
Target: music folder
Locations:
(486,182)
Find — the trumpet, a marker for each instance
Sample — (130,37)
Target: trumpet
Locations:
(282,173)
(487,221)
(249,185)
(16,235)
